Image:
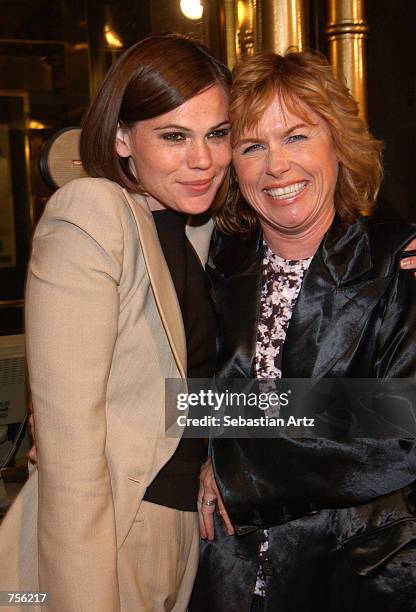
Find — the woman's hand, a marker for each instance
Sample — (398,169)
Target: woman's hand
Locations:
(409,263)
(209,498)
(32,454)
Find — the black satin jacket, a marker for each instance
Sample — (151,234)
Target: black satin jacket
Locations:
(355,317)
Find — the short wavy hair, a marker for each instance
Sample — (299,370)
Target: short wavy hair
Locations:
(304,80)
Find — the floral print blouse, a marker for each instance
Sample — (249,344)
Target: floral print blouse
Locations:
(281,283)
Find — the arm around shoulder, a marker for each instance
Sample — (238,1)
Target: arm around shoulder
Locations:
(396,338)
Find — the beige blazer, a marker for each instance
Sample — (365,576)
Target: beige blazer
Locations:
(104,330)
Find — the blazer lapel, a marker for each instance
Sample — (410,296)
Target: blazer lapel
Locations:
(336,300)
(160,279)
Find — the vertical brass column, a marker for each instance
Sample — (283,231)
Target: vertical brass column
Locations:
(220,29)
(346,32)
(246,22)
(96,43)
(230,26)
(282,24)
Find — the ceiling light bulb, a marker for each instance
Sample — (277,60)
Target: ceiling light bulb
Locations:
(192,9)
(113,39)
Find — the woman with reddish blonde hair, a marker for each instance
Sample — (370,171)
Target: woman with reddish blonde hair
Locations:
(306,80)
(324,524)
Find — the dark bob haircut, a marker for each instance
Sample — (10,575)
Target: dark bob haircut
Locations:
(151,78)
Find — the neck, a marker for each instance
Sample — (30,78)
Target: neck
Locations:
(299,244)
(154,204)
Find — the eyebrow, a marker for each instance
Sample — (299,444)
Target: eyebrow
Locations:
(284,135)
(174,126)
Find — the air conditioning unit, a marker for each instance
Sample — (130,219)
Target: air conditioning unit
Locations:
(13,408)
(12,379)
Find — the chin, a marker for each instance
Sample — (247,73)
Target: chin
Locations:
(288,217)
(196,208)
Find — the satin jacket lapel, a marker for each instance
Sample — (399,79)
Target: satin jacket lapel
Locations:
(235,272)
(337,296)
(160,279)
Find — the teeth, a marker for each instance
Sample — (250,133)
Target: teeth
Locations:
(290,190)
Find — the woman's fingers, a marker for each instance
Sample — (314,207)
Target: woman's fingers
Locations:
(411,246)
(409,263)
(224,515)
(32,454)
(209,499)
(207,516)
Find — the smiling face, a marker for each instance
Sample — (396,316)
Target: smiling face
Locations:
(287,170)
(181,157)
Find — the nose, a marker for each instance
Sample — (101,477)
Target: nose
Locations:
(199,155)
(277,161)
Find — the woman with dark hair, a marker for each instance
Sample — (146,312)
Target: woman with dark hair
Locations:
(116,303)
(329,523)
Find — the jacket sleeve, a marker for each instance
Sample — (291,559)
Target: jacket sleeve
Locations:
(71,329)
(396,346)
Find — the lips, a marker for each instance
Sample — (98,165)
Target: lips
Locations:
(200,186)
(287,191)
(200,183)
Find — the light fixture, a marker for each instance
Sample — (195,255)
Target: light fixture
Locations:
(192,9)
(37,125)
(80,47)
(241,13)
(113,39)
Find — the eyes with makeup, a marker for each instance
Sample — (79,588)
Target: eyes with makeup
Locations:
(178,137)
(256,146)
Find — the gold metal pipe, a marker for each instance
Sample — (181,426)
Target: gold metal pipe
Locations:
(283,24)
(246,23)
(220,29)
(346,32)
(230,27)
